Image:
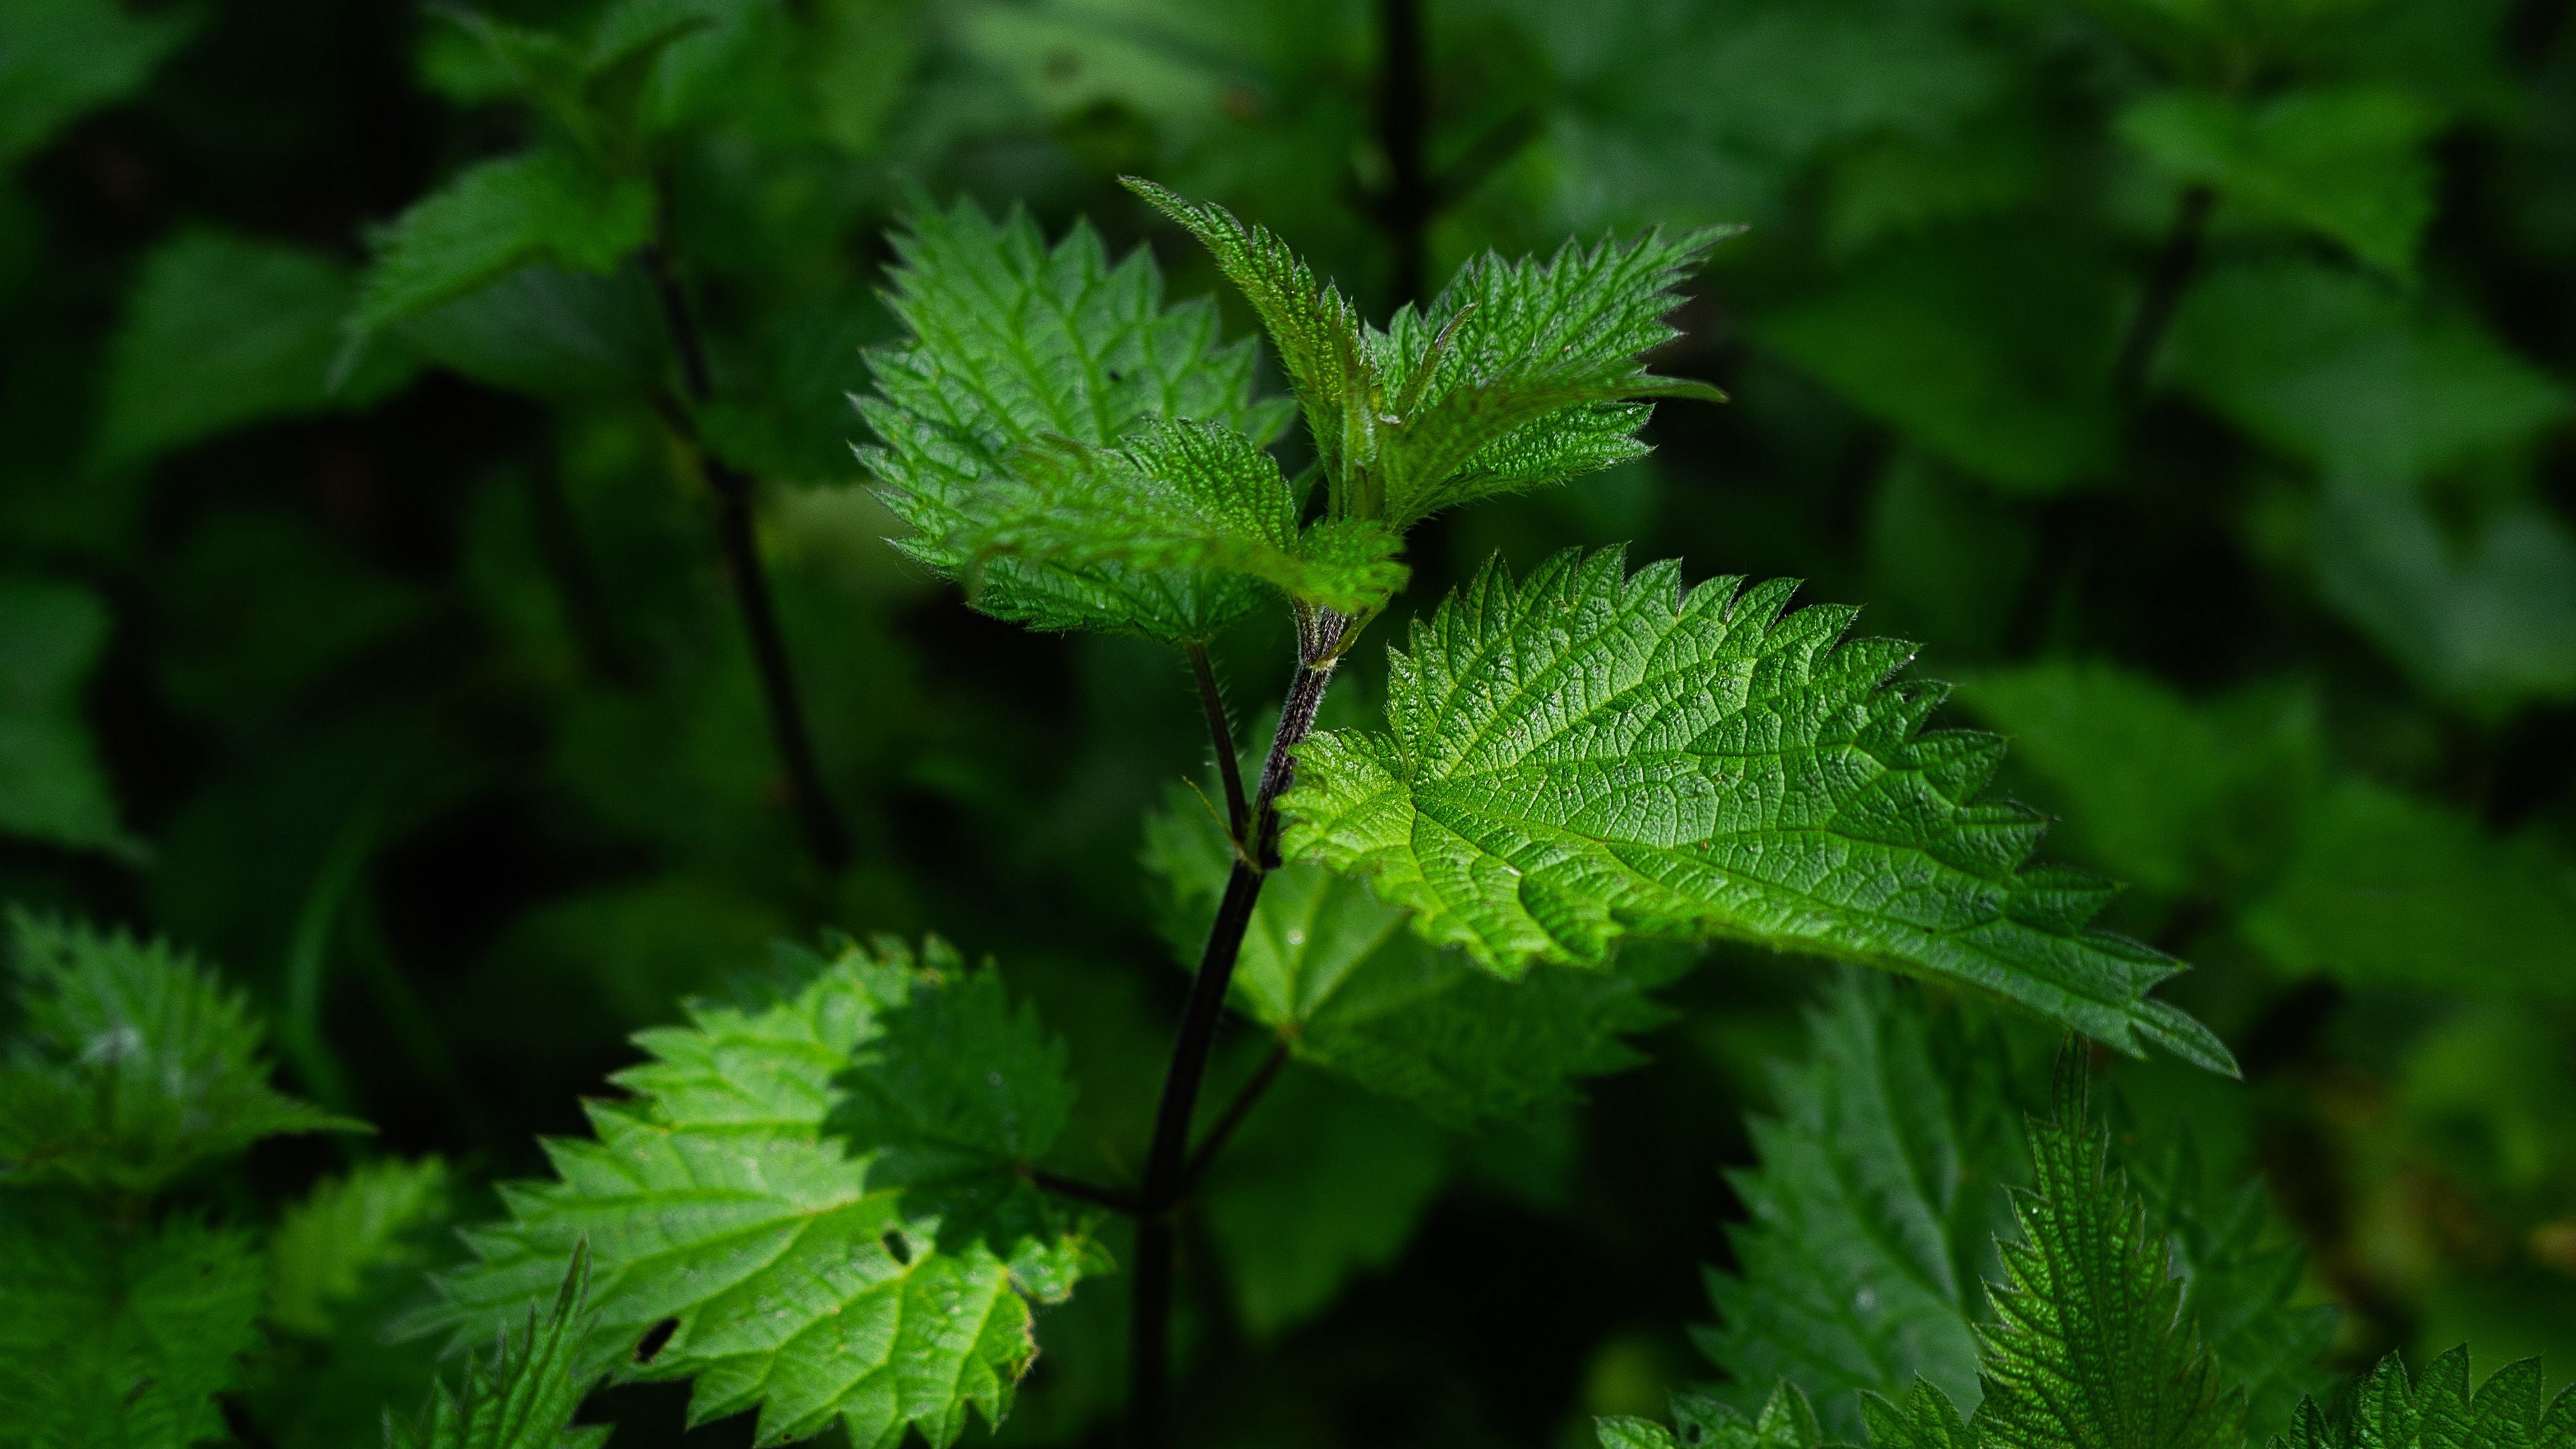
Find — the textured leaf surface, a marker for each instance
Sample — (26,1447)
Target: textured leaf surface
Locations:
(1197,498)
(131,1063)
(351,1227)
(1516,376)
(1785,1421)
(52,786)
(954,1094)
(2440,1411)
(1589,754)
(114,1337)
(2089,1349)
(497,216)
(525,1394)
(1331,969)
(715,1197)
(1012,344)
(60,58)
(223,330)
(1873,1212)
(2348,162)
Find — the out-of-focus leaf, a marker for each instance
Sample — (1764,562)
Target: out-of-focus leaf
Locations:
(1322,1184)
(61,58)
(2484,622)
(2338,370)
(495,217)
(131,1063)
(2177,796)
(2383,888)
(1674,112)
(2348,162)
(1900,184)
(52,786)
(1991,352)
(223,330)
(325,1249)
(118,1336)
(549,332)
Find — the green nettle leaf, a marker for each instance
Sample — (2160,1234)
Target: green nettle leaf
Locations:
(1874,1210)
(131,1063)
(955,1095)
(2483,616)
(1332,970)
(52,786)
(524,1396)
(2388,889)
(1991,350)
(2241,1279)
(716,1199)
(1880,1187)
(1013,345)
(2339,370)
(351,1227)
(2380,1412)
(1786,1421)
(115,1336)
(2090,1348)
(1588,755)
(2348,161)
(61,58)
(1517,376)
(1322,1184)
(1195,497)
(544,206)
(223,330)
(2177,795)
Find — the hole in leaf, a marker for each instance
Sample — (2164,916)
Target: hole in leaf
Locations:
(1693,1433)
(654,1337)
(898,1247)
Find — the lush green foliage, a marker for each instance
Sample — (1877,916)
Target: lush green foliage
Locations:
(454,622)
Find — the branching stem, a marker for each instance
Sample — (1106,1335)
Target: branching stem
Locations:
(2175,262)
(1079,1191)
(1320,637)
(1221,736)
(1232,1117)
(825,836)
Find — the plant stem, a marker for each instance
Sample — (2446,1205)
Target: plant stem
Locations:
(1320,636)
(824,834)
(1079,1190)
(1232,1117)
(2175,261)
(1403,123)
(1221,735)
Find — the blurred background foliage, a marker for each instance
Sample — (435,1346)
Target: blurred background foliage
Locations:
(2193,377)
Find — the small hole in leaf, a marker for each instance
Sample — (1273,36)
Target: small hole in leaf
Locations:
(1693,1433)
(895,1245)
(654,1337)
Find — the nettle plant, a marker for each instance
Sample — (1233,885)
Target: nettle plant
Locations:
(837,1197)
